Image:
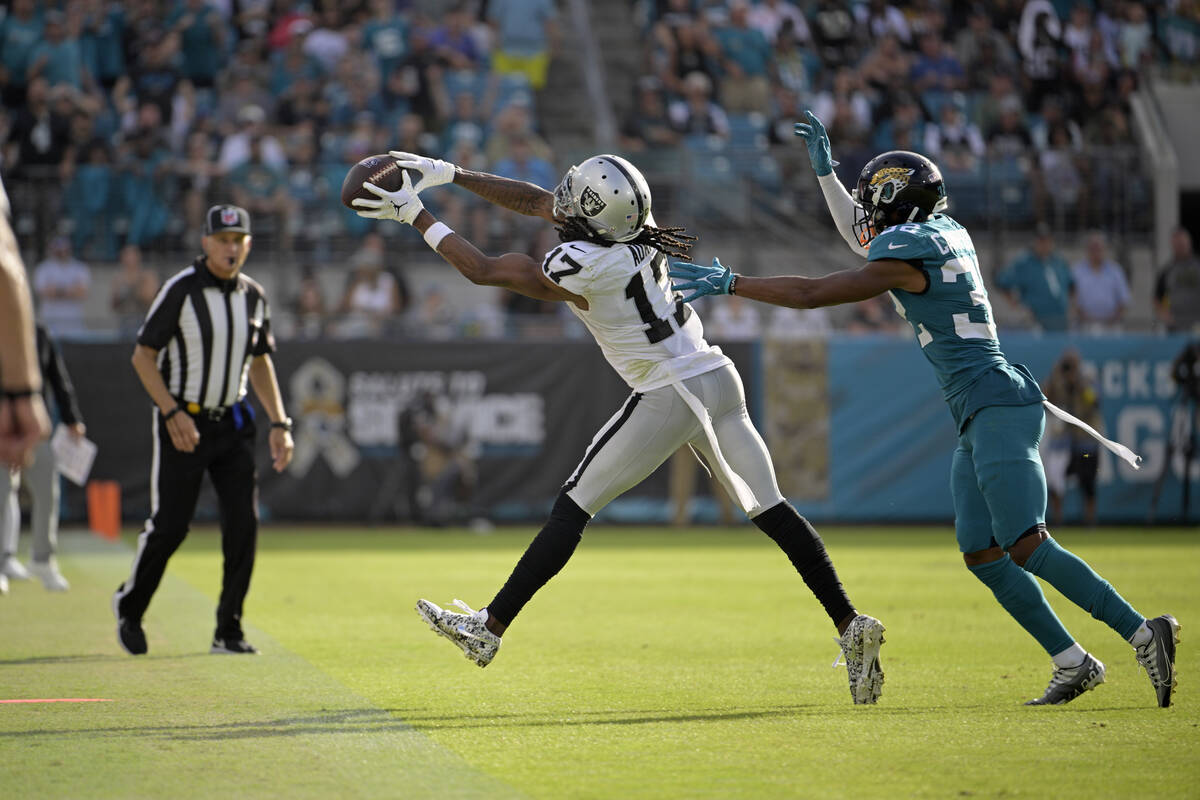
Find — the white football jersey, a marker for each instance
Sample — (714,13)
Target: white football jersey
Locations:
(646,332)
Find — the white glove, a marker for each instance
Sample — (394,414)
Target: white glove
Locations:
(402,205)
(434,172)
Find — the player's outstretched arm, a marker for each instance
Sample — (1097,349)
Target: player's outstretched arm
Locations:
(841,205)
(520,196)
(513,271)
(794,291)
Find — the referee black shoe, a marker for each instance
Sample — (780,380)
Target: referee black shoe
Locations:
(130,635)
(233,647)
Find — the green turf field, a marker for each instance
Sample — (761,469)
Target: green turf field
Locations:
(657,665)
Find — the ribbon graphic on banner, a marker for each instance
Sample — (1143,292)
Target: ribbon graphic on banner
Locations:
(318,389)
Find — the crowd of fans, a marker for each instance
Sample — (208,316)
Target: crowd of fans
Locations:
(123,122)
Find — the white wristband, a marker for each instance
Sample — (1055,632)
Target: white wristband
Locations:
(435,233)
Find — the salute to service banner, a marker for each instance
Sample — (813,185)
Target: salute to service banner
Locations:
(856,425)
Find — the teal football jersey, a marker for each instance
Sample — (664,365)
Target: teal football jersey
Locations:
(953,318)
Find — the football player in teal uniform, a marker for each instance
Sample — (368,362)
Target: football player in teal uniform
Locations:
(927,262)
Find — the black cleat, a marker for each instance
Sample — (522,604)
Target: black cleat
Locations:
(130,635)
(1067,683)
(1157,656)
(233,647)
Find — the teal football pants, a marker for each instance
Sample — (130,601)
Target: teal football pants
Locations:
(996,477)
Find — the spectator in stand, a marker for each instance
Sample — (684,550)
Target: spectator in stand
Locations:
(512,122)
(1008,137)
(58,57)
(880,19)
(132,291)
(196,174)
(309,305)
(834,34)
(883,63)
(793,70)
(647,126)
(289,65)
(60,284)
(936,68)
(453,44)
(954,142)
(143,162)
(846,89)
(1001,94)
(263,191)
(1059,182)
(1038,45)
(525,32)
(733,321)
(328,41)
(235,148)
(373,298)
(1068,450)
(684,46)
(1101,290)
(90,198)
(157,74)
(202,41)
(981,45)
(1040,281)
(875,315)
(745,62)
(697,114)
(1177,289)
(385,37)
(1135,37)
(241,90)
(38,140)
(20,33)
(465,120)
(1179,35)
(103,41)
(903,128)
(770,16)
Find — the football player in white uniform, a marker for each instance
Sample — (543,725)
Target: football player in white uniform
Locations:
(611,268)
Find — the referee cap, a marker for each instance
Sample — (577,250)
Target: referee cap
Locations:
(226,218)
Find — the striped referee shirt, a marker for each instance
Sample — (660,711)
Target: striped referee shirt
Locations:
(206,330)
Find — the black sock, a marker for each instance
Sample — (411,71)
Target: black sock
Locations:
(803,546)
(546,555)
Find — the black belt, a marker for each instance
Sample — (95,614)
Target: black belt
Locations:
(213,414)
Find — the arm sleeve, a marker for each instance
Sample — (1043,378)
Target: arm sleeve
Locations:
(54,371)
(162,321)
(264,343)
(842,208)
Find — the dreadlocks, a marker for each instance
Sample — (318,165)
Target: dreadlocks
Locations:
(671,241)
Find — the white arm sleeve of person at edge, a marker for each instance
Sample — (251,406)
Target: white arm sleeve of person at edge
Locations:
(842,208)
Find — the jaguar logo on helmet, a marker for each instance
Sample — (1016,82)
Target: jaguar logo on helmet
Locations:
(898,174)
(229,216)
(590,202)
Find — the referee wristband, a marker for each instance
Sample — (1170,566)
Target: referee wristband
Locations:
(172,413)
(16,394)
(435,233)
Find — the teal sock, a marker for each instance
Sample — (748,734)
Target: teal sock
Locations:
(1021,596)
(1080,584)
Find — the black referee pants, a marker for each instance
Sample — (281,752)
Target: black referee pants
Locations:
(227,454)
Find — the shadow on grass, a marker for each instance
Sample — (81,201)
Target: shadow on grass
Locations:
(85,658)
(342,721)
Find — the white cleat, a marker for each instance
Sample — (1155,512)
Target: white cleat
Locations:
(860,645)
(468,631)
(14,569)
(47,572)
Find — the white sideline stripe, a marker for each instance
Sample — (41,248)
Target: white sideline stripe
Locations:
(383,738)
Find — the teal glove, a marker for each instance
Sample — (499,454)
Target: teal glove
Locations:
(817,140)
(700,280)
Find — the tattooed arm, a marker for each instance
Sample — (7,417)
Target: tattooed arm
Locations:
(524,198)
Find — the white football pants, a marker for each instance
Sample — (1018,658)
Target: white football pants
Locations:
(41,478)
(653,425)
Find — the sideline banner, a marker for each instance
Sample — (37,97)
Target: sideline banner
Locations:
(892,435)
(516,417)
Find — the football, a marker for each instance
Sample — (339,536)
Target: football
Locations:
(380,170)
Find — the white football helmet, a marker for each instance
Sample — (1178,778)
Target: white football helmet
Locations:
(607,192)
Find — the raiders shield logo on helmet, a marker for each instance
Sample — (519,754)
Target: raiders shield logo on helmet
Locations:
(590,203)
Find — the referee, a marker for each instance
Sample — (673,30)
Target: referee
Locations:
(207,331)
